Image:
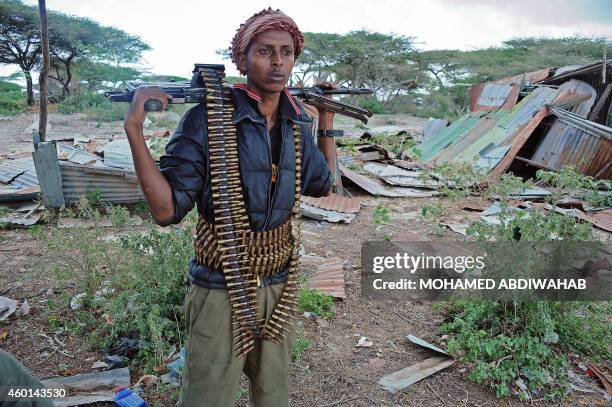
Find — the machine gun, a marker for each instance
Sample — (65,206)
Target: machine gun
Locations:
(195,92)
(314,96)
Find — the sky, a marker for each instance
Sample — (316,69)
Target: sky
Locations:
(183,32)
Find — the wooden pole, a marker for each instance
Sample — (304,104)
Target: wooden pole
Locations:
(42,79)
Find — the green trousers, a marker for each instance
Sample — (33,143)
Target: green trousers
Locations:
(212,371)
(14,375)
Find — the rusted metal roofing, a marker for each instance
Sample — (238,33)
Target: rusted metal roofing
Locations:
(329,277)
(527,109)
(489,96)
(577,141)
(114,185)
(602,219)
(572,139)
(492,139)
(565,73)
(334,202)
(526,78)
(18,180)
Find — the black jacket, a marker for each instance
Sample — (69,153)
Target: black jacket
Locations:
(186,167)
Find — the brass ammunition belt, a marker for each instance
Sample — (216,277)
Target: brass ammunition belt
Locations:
(268,251)
(244,255)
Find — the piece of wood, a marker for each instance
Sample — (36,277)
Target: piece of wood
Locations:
(42,79)
(601,103)
(520,141)
(534,163)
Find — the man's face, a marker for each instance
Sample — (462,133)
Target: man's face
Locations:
(269,61)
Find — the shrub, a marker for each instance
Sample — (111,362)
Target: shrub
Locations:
(94,105)
(516,345)
(317,302)
(12,99)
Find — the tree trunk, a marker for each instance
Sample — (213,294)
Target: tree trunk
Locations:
(66,84)
(42,81)
(30,92)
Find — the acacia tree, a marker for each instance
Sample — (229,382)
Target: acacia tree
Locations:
(72,40)
(20,39)
(381,62)
(83,42)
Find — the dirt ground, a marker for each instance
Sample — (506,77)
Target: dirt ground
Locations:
(332,372)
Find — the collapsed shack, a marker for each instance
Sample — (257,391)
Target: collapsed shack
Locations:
(539,120)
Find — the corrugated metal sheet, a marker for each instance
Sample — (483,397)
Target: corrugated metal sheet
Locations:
(527,78)
(485,97)
(564,144)
(518,140)
(18,180)
(334,202)
(467,147)
(433,128)
(494,138)
(579,142)
(114,185)
(312,212)
(118,154)
(75,155)
(329,277)
(394,175)
(376,187)
(568,72)
(494,95)
(527,109)
(429,148)
(602,219)
(490,157)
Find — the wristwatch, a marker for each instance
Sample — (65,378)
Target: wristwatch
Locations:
(330,133)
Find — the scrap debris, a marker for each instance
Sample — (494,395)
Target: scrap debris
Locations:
(555,123)
(408,376)
(328,276)
(89,388)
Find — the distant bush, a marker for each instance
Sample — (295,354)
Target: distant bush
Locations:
(12,99)
(373,104)
(95,105)
(9,87)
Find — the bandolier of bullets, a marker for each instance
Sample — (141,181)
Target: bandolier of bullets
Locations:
(285,310)
(243,255)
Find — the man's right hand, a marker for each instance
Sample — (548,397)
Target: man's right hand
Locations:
(136,114)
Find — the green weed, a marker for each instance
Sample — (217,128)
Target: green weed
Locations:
(520,340)
(300,346)
(381,215)
(317,302)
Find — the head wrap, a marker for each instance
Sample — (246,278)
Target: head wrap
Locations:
(265,20)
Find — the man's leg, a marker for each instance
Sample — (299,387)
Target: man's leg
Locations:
(267,365)
(212,371)
(13,375)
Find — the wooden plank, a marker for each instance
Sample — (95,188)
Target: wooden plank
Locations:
(520,141)
(48,173)
(600,104)
(534,163)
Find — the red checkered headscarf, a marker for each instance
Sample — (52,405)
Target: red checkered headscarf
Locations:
(265,20)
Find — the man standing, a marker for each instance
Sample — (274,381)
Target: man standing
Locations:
(244,158)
